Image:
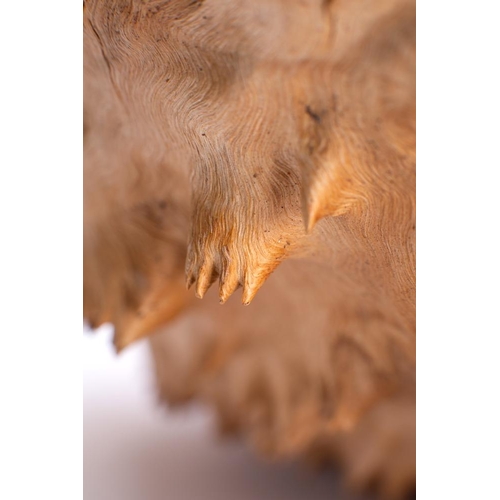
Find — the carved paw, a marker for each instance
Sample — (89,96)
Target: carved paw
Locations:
(274,395)
(216,254)
(380,452)
(240,236)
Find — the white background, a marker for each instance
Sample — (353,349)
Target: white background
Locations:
(134,449)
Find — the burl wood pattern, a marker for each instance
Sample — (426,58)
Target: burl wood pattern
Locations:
(267,145)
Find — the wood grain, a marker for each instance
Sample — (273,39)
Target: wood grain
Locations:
(267,145)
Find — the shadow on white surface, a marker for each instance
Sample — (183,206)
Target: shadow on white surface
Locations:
(135,450)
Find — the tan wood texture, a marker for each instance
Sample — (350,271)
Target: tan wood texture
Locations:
(267,145)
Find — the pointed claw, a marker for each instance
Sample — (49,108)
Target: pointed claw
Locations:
(311,194)
(228,285)
(229,280)
(250,288)
(310,213)
(206,277)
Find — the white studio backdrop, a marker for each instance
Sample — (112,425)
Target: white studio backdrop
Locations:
(134,449)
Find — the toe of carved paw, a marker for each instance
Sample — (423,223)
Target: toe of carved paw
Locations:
(234,266)
(380,453)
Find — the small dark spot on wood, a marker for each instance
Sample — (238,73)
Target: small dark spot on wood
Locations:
(162,204)
(255,175)
(203,134)
(312,114)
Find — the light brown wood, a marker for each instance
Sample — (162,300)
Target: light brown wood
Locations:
(267,145)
